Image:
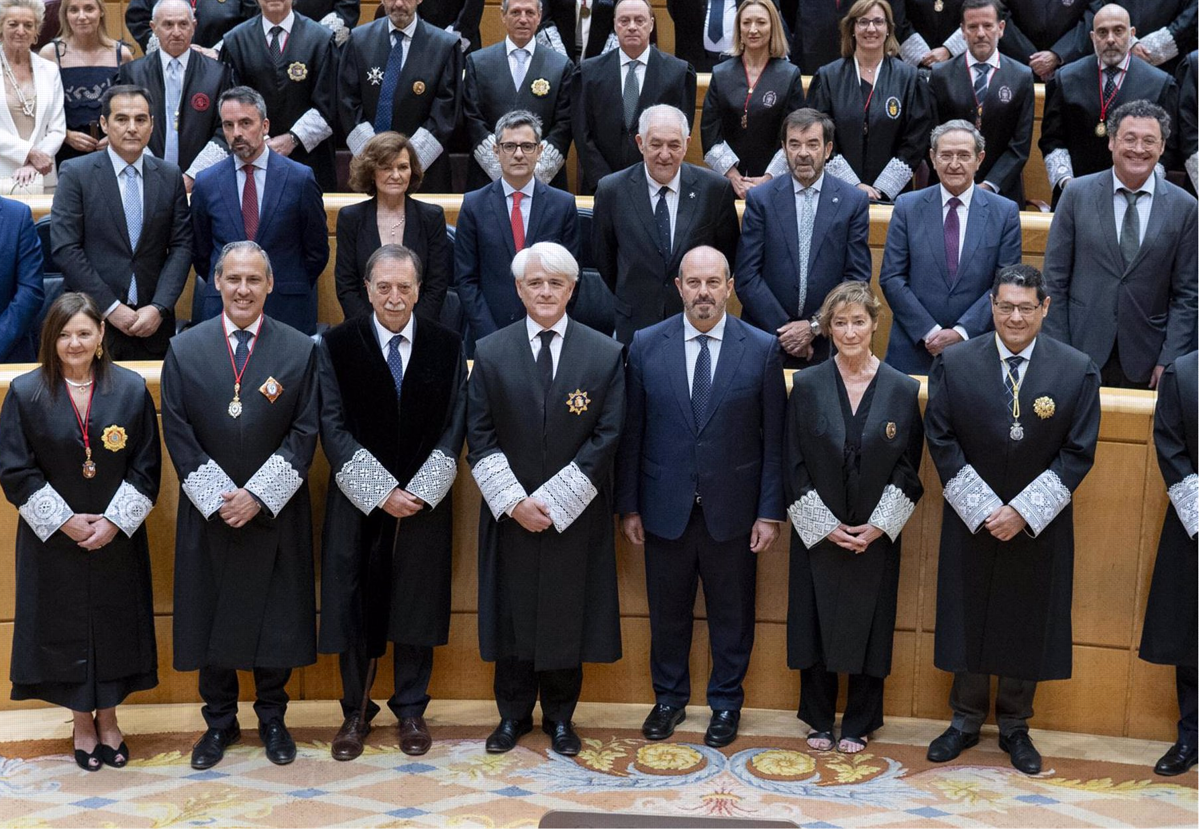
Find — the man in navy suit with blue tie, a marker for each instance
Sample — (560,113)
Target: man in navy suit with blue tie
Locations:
(257,195)
(700,484)
(21,292)
(944,245)
(497,221)
(801,236)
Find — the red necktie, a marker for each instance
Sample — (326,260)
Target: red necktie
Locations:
(250,203)
(518,222)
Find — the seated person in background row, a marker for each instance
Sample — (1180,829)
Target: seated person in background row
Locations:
(21,293)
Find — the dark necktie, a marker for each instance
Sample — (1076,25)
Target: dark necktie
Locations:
(243,348)
(250,203)
(950,235)
(391,80)
(1014,365)
(1131,227)
(1110,81)
(701,381)
(981,80)
(545,362)
(716,20)
(630,94)
(662,220)
(395,363)
(276,47)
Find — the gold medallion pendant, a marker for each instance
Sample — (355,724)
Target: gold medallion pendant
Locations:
(89,466)
(235,405)
(1101,130)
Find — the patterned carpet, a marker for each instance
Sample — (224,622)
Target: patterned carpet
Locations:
(458,785)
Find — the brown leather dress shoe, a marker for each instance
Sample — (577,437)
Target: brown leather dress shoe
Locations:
(348,743)
(414,736)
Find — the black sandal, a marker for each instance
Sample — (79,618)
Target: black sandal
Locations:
(817,736)
(90,762)
(853,740)
(114,758)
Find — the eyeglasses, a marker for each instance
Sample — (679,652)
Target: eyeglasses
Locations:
(950,157)
(510,148)
(1006,309)
(867,23)
(1129,141)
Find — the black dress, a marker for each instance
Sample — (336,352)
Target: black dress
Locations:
(83,88)
(84,629)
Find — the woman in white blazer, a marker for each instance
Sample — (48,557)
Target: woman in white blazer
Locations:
(32,123)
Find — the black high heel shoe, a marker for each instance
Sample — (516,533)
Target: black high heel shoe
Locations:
(114,758)
(90,762)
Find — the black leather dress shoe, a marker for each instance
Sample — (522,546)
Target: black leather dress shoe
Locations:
(661,722)
(212,745)
(348,743)
(1179,759)
(281,749)
(563,739)
(1023,753)
(722,728)
(505,736)
(950,744)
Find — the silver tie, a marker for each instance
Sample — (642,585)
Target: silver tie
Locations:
(806,229)
(174,94)
(522,57)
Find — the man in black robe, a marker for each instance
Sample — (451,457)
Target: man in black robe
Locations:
(393,418)
(290,59)
(415,70)
(578,29)
(1046,34)
(1012,415)
(240,417)
(213,19)
(460,18)
(545,405)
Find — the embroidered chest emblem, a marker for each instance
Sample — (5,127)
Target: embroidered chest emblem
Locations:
(890,430)
(540,87)
(1043,407)
(418,87)
(893,107)
(297,71)
(769,99)
(1005,93)
(577,402)
(271,389)
(375,75)
(114,438)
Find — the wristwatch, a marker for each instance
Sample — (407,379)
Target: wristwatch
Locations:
(296,139)
(815,326)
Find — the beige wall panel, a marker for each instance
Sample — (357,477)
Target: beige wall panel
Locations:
(898,689)
(8,564)
(458,672)
(931,687)
(771,595)
(770,684)
(1092,700)
(464,586)
(1153,709)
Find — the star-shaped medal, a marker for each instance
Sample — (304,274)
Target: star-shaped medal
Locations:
(375,75)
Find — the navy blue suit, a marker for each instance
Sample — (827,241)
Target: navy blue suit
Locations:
(915,278)
(767,273)
(291,229)
(484,250)
(699,490)
(21,292)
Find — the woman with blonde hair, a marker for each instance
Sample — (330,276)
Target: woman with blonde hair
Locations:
(32,125)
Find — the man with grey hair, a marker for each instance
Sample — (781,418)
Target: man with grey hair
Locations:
(518,73)
(940,296)
(497,221)
(545,405)
(239,415)
(650,214)
(213,19)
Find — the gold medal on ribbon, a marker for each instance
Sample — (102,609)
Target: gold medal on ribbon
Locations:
(1101,129)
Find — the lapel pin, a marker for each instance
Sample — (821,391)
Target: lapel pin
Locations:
(890,430)
(271,389)
(691,195)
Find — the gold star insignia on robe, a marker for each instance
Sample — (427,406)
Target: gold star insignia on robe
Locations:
(1043,407)
(577,402)
(114,438)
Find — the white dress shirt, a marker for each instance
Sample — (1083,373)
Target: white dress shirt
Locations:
(510,48)
(526,199)
(1144,204)
(286,25)
(672,196)
(992,61)
(726,43)
(260,177)
(691,347)
(407,32)
(535,343)
(963,211)
(166,59)
(626,62)
(406,339)
(1004,352)
(231,328)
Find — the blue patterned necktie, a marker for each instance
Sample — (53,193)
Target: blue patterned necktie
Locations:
(806,232)
(701,381)
(242,351)
(981,80)
(1014,365)
(395,363)
(391,80)
(174,89)
(662,220)
(133,222)
(630,95)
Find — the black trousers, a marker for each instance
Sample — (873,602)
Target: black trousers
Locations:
(818,702)
(413,665)
(518,686)
(729,571)
(1185,690)
(219,689)
(969,700)
(132,348)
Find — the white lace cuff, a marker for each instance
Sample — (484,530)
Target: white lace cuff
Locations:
(210,154)
(205,485)
(334,23)
(913,49)
(838,168)
(778,167)
(811,518)
(1192,165)
(567,493)
(894,178)
(551,39)
(45,512)
(434,479)
(971,498)
(1041,501)
(497,484)
(1183,497)
(358,137)
(892,512)
(365,481)
(275,483)
(427,146)
(1161,46)
(549,163)
(128,508)
(151,43)
(610,44)
(720,158)
(311,128)
(1058,166)
(956,43)
(485,156)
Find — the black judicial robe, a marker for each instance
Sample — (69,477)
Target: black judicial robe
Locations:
(842,605)
(304,79)
(1169,628)
(816,40)
(933,20)
(463,15)
(1007,122)
(73,604)
(548,598)
(244,597)
(213,19)
(561,15)
(1055,25)
(1178,17)
(384,577)
(489,94)
(428,95)
(1185,124)
(347,10)
(778,92)
(1004,608)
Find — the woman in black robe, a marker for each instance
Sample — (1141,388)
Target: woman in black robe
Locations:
(882,110)
(80,458)
(748,97)
(854,444)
